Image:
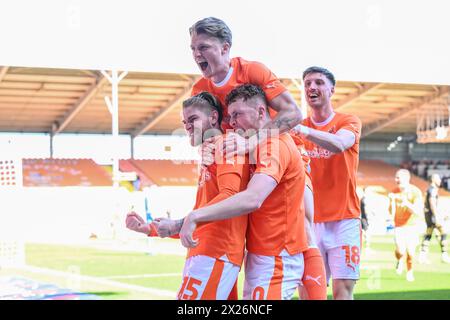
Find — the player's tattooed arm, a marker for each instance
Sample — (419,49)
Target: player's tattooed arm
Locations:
(288,113)
(283,124)
(177,226)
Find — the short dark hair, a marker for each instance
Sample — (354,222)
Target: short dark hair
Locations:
(246,91)
(321,70)
(205,99)
(213,27)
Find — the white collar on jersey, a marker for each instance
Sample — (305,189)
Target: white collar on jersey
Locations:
(224,81)
(325,122)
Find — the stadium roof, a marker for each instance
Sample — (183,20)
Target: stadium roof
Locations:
(391,58)
(66,100)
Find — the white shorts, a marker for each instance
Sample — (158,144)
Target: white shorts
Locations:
(206,278)
(340,244)
(406,238)
(272,277)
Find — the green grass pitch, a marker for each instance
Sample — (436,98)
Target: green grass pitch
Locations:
(163,272)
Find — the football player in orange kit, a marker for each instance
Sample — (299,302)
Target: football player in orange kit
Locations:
(406,205)
(212,268)
(332,143)
(211,41)
(276,236)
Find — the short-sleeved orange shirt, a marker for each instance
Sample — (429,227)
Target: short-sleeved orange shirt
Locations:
(224,237)
(247,72)
(280,222)
(334,175)
(298,140)
(404,216)
(242,72)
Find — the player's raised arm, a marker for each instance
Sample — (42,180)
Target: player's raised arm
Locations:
(336,143)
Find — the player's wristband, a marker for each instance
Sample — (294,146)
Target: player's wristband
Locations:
(153,232)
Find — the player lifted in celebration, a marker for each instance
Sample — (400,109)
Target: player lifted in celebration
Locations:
(332,142)
(276,234)
(211,41)
(405,206)
(211,268)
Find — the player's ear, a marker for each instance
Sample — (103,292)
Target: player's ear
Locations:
(225,48)
(332,90)
(262,111)
(214,118)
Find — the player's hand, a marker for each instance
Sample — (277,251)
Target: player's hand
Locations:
(207,150)
(234,144)
(167,227)
(301,130)
(136,223)
(187,231)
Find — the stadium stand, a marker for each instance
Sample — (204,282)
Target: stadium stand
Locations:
(128,166)
(381,174)
(63,172)
(425,168)
(10,172)
(168,172)
(85,172)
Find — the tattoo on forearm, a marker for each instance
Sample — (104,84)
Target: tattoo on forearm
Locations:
(178,225)
(284,123)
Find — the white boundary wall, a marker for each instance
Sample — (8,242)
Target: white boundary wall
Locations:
(73,214)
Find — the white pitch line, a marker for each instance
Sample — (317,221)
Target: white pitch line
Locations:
(137,276)
(158,292)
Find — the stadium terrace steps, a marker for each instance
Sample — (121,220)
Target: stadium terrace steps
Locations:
(63,172)
(379,173)
(169,172)
(129,166)
(85,172)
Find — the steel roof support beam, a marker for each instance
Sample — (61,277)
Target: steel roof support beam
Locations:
(155,118)
(404,112)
